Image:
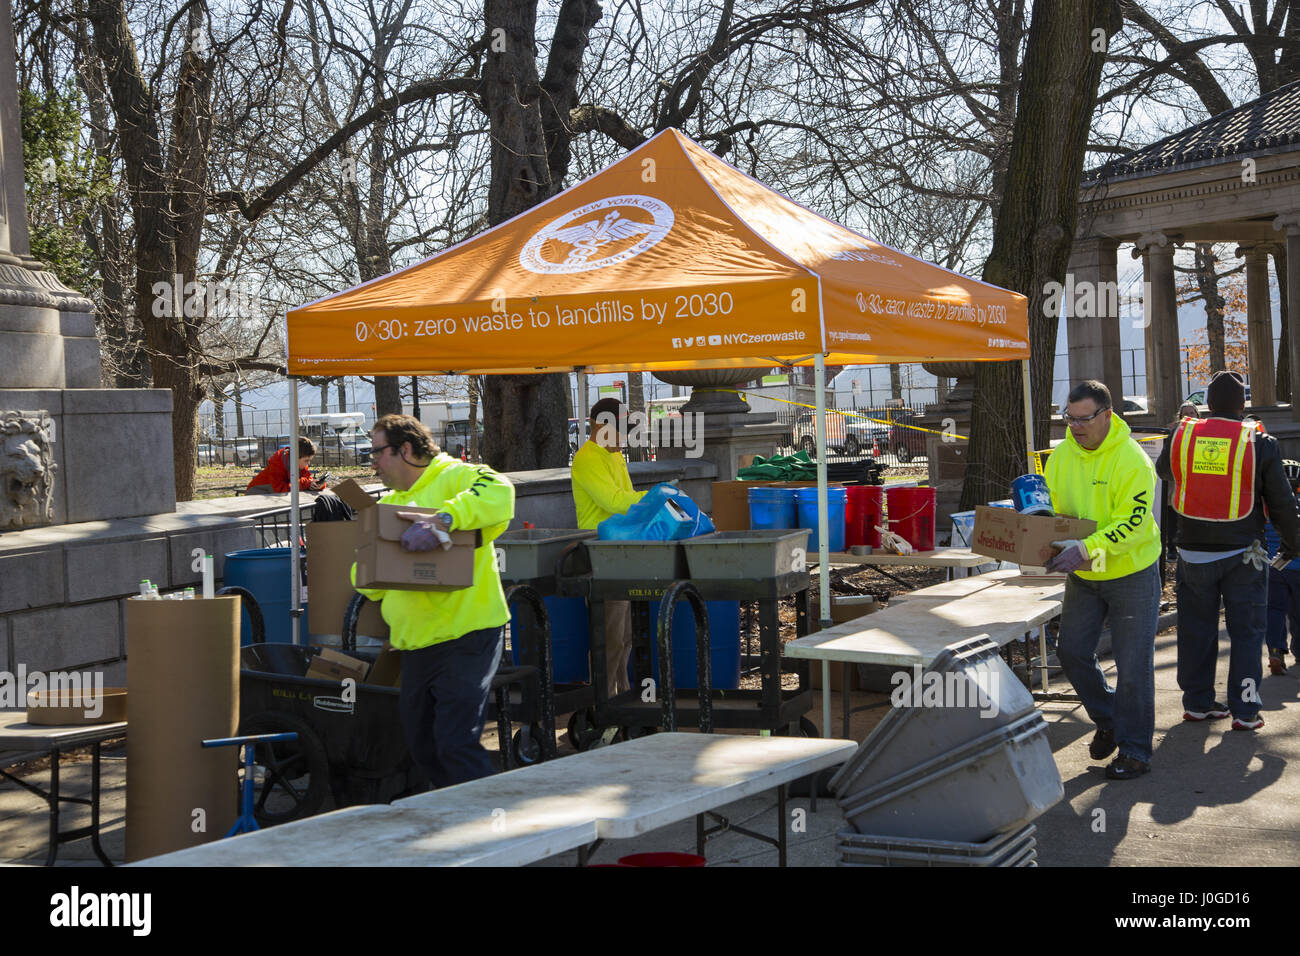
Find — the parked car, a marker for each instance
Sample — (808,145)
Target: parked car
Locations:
(804,434)
(906,443)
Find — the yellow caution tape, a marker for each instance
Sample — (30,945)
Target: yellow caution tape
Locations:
(837,411)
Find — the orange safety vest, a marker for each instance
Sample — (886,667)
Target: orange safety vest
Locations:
(1213,461)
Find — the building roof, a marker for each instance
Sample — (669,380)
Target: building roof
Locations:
(1266,124)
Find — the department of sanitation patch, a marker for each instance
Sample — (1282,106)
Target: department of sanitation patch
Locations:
(614,229)
(1210,456)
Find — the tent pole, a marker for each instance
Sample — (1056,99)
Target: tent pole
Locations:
(295,527)
(584,407)
(823,529)
(1029,419)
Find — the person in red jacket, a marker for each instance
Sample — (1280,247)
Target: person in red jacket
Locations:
(274,478)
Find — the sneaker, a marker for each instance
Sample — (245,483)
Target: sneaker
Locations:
(1103,744)
(1239,724)
(1216,712)
(1276,664)
(1126,768)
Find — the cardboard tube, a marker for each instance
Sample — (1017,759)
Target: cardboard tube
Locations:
(182,673)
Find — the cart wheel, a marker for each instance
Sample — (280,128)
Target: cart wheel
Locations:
(807,728)
(582,730)
(294,774)
(529,752)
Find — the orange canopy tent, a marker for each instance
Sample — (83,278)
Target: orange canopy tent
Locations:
(668,259)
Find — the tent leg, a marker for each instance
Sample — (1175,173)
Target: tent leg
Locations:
(295,526)
(823,524)
(1034,467)
(584,407)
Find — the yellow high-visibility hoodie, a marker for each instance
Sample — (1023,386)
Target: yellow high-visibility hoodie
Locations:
(601,485)
(1115,486)
(476,497)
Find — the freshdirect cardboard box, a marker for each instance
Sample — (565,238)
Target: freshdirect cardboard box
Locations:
(381,562)
(1025,539)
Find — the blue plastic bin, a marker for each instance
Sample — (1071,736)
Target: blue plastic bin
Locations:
(264,573)
(772,508)
(570,641)
(836,502)
(724,645)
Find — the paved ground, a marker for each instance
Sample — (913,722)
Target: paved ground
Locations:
(1214,798)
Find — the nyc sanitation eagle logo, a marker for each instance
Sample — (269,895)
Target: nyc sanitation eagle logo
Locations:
(599,234)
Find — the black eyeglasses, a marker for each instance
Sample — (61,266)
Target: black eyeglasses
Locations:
(376,452)
(1071,420)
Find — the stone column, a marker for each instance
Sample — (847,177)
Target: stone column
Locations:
(1259,324)
(1092,323)
(1291,223)
(1160,312)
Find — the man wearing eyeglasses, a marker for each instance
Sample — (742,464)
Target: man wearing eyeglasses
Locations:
(1100,473)
(451,641)
(1224,470)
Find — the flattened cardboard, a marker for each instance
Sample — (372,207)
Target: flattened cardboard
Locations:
(381,562)
(387,669)
(331,550)
(353,494)
(1024,539)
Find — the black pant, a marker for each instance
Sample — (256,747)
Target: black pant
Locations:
(445,690)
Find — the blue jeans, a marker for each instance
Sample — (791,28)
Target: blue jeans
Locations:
(1133,605)
(1244,591)
(1283,609)
(444,693)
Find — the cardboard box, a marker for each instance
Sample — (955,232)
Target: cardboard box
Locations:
(843,608)
(1024,539)
(331,665)
(381,562)
(331,550)
(731,500)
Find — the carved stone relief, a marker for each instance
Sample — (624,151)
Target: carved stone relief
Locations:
(26,469)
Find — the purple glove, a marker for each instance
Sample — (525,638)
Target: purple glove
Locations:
(1072,557)
(426,535)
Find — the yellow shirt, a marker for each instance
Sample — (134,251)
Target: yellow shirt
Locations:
(476,497)
(601,485)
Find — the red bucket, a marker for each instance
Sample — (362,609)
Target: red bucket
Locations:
(862,513)
(911,515)
(662,859)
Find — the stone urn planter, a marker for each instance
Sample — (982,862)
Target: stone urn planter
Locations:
(714,390)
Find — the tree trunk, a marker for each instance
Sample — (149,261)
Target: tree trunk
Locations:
(1207,281)
(218,411)
(237,395)
(343,395)
(475,387)
(324,398)
(896,382)
(636,403)
(1035,228)
(526,414)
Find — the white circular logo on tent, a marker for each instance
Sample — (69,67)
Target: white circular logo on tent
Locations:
(601,233)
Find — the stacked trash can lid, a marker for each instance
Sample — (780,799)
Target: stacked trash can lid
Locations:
(956,770)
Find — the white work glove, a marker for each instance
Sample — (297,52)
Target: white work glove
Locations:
(1256,555)
(1073,556)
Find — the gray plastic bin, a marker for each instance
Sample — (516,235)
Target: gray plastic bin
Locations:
(970,673)
(1013,848)
(746,555)
(532,552)
(996,783)
(643,561)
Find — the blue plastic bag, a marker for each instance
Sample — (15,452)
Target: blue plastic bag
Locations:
(664,514)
